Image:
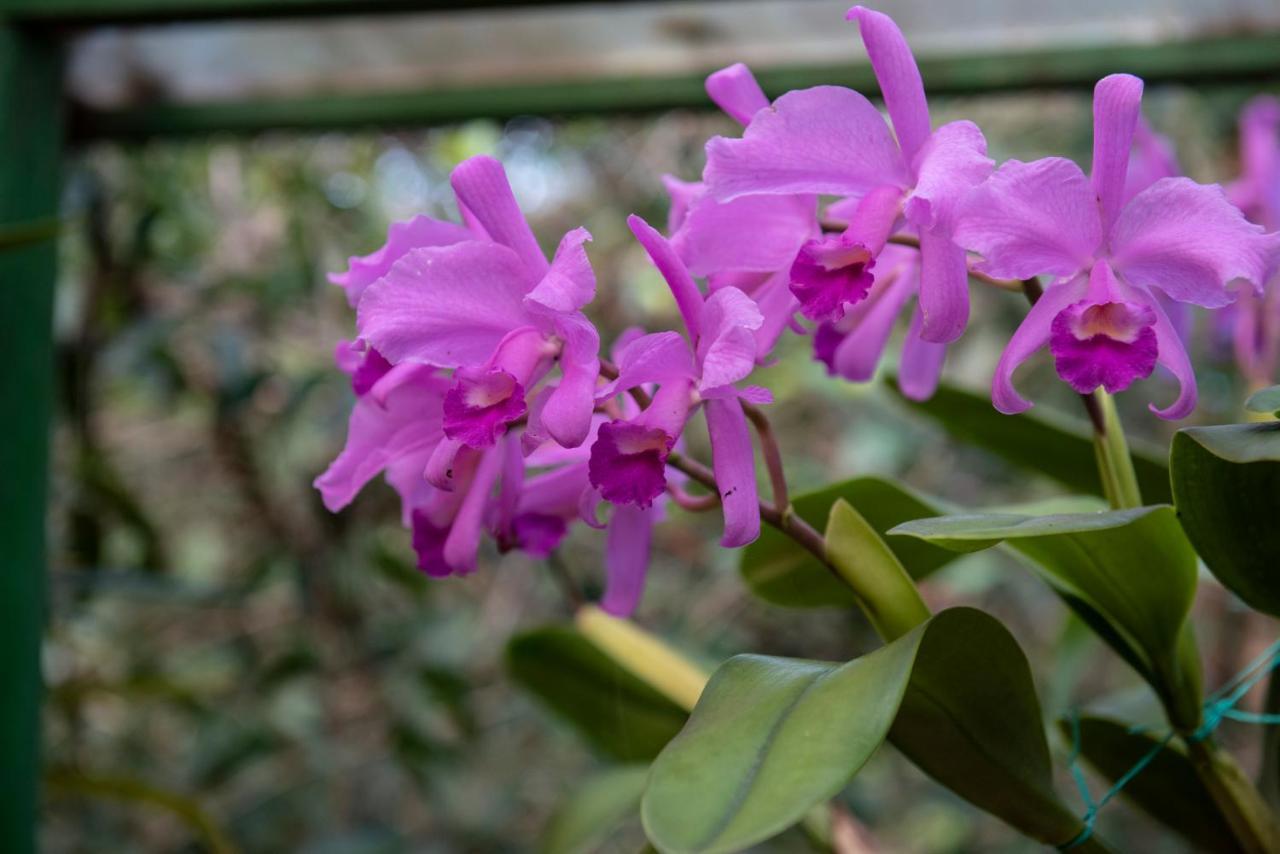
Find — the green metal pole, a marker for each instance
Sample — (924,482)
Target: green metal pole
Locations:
(30,159)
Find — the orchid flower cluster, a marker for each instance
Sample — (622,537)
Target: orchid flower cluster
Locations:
(481,392)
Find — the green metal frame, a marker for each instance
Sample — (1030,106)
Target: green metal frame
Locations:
(32,141)
(30,155)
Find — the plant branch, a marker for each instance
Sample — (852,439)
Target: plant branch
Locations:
(693,503)
(772,455)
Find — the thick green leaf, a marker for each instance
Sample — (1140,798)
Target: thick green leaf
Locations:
(772,737)
(590,815)
(1168,789)
(617,713)
(778,571)
(1226,482)
(1265,401)
(885,592)
(1054,445)
(1130,574)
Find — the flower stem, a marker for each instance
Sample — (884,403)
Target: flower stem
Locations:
(1252,822)
(772,456)
(1115,465)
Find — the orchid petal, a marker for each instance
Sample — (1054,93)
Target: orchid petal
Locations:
(735,90)
(751,233)
(554,493)
(1117,104)
(567,413)
(1173,355)
(511,486)
(655,358)
(821,140)
(727,348)
(1258,190)
(733,460)
(921,363)
(683,194)
(683,288)
(446,306)
(570,283)
(1031,219)
(481,185)
(416,233)
(405,372)
(952,162)
(588,504)
(409,424)
(944,288)
(758,395)
(1032,334)
(1187,240)
(778,305)
(441,471)
(1152,158)
(463,542)
(899,77)
(626,558)
(858,354)
(404,475)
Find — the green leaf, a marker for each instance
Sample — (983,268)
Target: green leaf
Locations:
(1265,401)
(772,737)
(1226,483)
(1023,440)
(1168,789)
(617,713)
(588,818)
(885,592)
(778,571)
(1129,574)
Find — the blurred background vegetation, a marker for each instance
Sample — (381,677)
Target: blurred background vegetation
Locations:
(231,667)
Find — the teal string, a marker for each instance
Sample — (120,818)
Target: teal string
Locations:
(1092,807)
(1219,706)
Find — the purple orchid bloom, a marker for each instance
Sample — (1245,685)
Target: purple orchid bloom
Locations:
(1256,318)
(831,140)
(750,242)
(628,458)
(397,432)
(526,502)
(494,311)
(1099,316)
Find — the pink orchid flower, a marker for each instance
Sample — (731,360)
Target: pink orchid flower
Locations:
(397,433)
(831,140)
(480,300)
(750,242)
(527,502)
(628,459)
(1099,316)
(1256,318)
(495,312)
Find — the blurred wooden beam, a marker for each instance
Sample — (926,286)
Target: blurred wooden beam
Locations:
(89,13)
(1218,60)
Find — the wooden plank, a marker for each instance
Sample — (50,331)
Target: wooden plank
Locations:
(1220,60)
(30,158)
(85,13)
